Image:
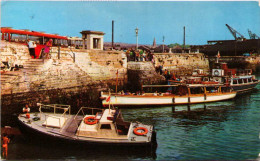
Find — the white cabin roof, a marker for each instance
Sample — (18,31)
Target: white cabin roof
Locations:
(107,113)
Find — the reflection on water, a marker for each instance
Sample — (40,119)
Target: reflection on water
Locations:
(203,114)
(22,148)
(219,130)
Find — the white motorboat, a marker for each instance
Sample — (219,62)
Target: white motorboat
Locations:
(181,94)
(99,127)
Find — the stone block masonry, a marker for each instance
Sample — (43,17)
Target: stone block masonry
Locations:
(182,63)
(89,68)
(142,73)
(90,73)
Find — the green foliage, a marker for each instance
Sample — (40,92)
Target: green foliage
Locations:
(173,45)
(176,44)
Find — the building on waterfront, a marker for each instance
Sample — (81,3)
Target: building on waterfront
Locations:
(94,39)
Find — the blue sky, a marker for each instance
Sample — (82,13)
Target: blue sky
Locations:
(203,20)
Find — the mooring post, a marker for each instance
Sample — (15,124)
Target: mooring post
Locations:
(173,109)
(188,107)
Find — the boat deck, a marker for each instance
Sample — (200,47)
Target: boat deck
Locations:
(70,127)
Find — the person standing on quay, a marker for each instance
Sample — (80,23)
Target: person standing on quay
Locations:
(47,48)
(5,141)
(31,45)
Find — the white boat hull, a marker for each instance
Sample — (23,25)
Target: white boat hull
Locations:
(134,100)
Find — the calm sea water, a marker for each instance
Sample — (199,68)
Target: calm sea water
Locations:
(226,130)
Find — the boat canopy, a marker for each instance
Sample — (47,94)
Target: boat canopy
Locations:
(242,77)
(31,33)
(188,85)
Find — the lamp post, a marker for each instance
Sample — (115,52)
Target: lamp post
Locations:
(136,32)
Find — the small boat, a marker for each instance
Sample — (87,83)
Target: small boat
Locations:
(239,80)
(178,95)
(90,125)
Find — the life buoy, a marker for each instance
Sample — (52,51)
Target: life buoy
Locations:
(216,72)
(144,132)
(90,120)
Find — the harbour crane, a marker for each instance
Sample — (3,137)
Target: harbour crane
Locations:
(253,35)
(235,33)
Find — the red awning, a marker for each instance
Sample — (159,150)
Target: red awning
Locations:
(32,33)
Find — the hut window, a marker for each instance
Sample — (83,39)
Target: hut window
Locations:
(105,126)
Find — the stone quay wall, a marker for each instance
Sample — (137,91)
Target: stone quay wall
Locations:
(77,80)
(59,79)
(90,67)
(142,73)
(182,63)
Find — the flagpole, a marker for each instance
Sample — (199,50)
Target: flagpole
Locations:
(218,55)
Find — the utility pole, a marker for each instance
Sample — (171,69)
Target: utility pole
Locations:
(112,34)
(184,39)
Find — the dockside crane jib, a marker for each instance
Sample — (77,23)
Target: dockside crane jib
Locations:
(235,33)
(253,35)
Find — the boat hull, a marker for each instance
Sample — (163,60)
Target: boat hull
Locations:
(244,87)
(55,137)
(133,100)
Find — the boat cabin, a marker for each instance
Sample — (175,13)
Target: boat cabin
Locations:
(242,80)
(106,124)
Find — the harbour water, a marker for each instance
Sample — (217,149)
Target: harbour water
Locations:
(221,131)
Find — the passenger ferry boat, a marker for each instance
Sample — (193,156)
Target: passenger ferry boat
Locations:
(100,127)
(239,80)
(178,95)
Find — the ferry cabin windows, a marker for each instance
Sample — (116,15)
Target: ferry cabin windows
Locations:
(235,81)
(105,126)
(240,81)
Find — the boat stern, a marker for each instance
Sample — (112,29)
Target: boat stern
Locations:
(143,134)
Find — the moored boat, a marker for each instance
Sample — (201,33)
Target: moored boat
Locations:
(180,94)
(239,80)
(100,127)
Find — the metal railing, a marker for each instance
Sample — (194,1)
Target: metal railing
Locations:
(54,107)
(82,110)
